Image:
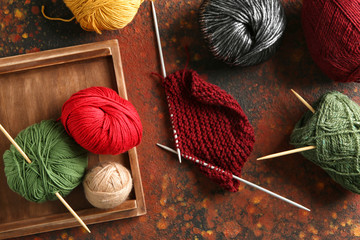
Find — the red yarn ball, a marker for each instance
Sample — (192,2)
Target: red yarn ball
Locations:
(101,121)
(332,32)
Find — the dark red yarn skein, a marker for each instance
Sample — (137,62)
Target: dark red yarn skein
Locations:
(101,121)
(332,32)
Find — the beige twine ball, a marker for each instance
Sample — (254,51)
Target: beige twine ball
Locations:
(107,185)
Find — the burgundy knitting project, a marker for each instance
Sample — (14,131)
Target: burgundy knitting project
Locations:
(209,126)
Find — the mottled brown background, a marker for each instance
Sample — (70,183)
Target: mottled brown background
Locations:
(181,203)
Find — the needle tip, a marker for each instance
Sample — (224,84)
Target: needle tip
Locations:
(179,155)
(166,148)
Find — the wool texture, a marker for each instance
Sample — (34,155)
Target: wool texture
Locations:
(242,32)
(107,185)
(334,130)
(98,15)
(332,33)
(58,162)
(101,121)
(209,126)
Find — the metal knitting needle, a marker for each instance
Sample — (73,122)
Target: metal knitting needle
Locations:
(242,180)
(296,150)
(2,129)
(158,40)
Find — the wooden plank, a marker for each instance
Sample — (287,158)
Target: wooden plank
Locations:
(61,221)
(34,88)
(46,58)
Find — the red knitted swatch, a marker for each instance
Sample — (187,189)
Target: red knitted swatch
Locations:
(209,126)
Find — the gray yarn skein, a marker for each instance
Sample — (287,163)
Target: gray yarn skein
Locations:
(242,32)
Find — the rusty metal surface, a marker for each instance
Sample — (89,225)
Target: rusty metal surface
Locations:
(181,203)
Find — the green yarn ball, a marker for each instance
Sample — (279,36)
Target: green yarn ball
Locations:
(334,129)
(58,162)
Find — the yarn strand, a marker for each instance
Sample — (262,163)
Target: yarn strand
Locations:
(54,19)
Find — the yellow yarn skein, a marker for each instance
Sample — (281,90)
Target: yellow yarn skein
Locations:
(97,15)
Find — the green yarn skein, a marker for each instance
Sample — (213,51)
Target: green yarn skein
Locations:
(58,162)
(334,129)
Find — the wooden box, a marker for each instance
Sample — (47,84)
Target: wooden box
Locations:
(33,87)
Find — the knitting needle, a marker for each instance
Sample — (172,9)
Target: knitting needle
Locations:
(57,194)
(240,179)
(72,211)
(303,101)
(302,149)
(158,40)
(279,154)
(15,144)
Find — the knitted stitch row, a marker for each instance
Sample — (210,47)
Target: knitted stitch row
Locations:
(209,126)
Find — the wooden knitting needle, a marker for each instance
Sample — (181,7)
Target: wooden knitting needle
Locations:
(158,40)
(57,194)
(296,150)
(303,101)
(239,179)
(72,211)
(14,143)
(279,154)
